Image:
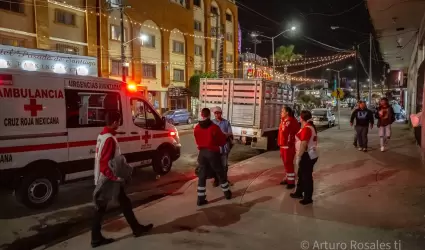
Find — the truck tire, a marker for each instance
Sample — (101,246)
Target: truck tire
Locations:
(162,162)
(272,141)
(37,190)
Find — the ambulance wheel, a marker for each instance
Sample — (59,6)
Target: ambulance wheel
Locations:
(162,162)
(37,191)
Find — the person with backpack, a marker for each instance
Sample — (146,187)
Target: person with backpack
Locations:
(386,116)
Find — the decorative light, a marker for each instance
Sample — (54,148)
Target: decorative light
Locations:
(322,65)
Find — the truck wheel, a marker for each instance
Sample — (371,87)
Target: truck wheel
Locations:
(37,190)
(272,141)
(162,162)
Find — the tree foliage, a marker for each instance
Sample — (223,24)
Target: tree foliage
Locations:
(195,80)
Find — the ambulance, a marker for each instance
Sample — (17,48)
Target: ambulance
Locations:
(49,125)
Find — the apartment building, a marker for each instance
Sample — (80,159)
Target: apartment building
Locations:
(166,41)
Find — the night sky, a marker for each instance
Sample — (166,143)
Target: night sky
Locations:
(313,19)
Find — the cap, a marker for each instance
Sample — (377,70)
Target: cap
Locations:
(217,109)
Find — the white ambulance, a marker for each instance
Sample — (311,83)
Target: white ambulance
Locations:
(49,124)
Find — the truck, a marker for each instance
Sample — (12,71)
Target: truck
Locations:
(252,106)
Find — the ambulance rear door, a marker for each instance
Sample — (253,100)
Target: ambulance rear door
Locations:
(32,119)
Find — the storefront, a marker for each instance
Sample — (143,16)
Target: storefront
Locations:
(46,61)
(178,98)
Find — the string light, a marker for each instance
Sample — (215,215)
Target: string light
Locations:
(324,58)
(324,64)
(315,61)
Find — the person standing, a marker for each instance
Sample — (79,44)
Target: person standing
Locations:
(364,120)
(397,110)
(209,139)
(226,128)
(107,148)
(288,127)
(385,115)
(306,153)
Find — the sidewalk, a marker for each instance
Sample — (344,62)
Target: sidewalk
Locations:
(359,198)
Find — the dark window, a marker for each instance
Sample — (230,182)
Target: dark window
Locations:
(67,49)
(149,41)
(228,17)
(178,103)
(116,33)
(149,70)
(214,10)
(178,75)
(13,5)
(178,47)
(144,116)
(12,42)
(229,37)
(198,50)
(89,108)
(198,26)
(197,3)
(213,54)
(116,68)
(64,17)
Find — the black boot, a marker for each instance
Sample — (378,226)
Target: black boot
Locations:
(202,201)
(100,242)
(306,201)
(296,195)
(290,186)
(228,194)
(141,229)
(215,183)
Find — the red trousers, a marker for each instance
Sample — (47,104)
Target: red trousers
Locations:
(288,156)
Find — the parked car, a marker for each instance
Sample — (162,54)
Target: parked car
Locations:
(178,116)
(323,117)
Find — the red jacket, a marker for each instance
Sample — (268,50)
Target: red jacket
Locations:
(209,136)
(108,152)
(288,128)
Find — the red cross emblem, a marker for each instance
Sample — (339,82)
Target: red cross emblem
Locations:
(146,137)
(33,107)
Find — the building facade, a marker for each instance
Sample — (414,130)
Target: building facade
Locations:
(166,41)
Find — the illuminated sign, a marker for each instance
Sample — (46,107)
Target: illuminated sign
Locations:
(46,61)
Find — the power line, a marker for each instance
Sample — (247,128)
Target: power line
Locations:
(256,12)
(337,14)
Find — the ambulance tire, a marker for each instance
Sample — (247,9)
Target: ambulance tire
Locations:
(272,141)
(47,184)
(162,162)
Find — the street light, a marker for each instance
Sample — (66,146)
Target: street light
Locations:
(339,86)
(293,28)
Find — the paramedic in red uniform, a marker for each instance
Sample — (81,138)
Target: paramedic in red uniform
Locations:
(209,138)
(107,147)
(306,148)
(289,126)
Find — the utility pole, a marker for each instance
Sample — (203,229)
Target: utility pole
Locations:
(99,33)
(338,101)
(356,62)
(123,64)
(370,69)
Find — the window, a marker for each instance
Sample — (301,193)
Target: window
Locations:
(90,108)
(150,41)
(228,17)
(198,50)
(197,3)
(67,49)
(178,75)
(64,17)
(213,31)
(178,47)
(213,54)
(12,42)
(229,58)
(13,5)
(149,70)
(179,2)
(198,25)
(144,116)
(229,37)
(116,68)
(178,103)
(214,10)
(116,33)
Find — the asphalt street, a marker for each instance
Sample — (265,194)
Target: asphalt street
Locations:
(71,212)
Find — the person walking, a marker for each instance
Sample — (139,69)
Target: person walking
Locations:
(385,115)
(397,110)
(364,120)
(107,149)
(288,127)
(306,153)
(226,128)
(209,139)
(355,144)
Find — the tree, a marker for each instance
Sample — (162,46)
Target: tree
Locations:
(195,80)
(286,55)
